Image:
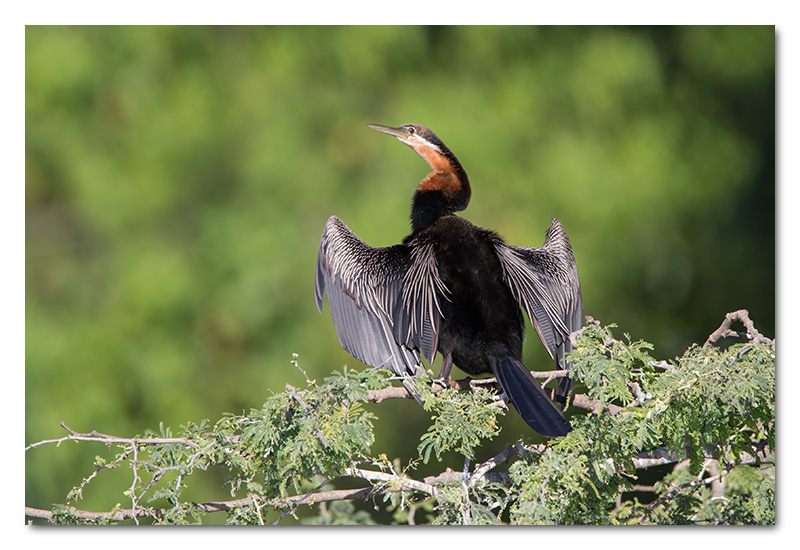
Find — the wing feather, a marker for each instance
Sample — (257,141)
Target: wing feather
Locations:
(546,284)
(372,296)
(418,317)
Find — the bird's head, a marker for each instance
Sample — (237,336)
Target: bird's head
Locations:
(424,142)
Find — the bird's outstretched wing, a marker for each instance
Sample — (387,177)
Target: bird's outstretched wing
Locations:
(378,299)
(545,282)
(417,317)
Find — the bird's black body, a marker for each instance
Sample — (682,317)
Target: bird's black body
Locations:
(480,318)
(454,288)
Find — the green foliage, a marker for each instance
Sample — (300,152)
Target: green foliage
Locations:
(606,366)
(340,513)
(577,479)
(710,413)
(718,399)
(752,499)
(710,403)
(460,422)
(476,504)
(296,436)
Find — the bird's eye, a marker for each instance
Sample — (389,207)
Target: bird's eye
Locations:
(411,129)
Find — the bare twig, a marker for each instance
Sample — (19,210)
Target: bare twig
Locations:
(725,331)
(393,392)
(296,363)
(132,490)
(482,469)
(392,480)
(583,401)
(110,439)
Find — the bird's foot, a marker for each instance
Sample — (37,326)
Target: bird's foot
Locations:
(500,401)
(448,383)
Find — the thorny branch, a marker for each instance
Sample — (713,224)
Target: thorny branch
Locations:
(388,483)
(393,482)
(111,440)
(130,447)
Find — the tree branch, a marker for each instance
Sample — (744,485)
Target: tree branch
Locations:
(381,481)
(725,331)
(110,439)
(400,392)
(391,483)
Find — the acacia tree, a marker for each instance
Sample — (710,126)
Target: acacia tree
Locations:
(709,414)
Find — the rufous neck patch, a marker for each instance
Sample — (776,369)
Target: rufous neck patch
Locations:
(435,159)
(445,181)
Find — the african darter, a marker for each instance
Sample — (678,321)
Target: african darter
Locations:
(454,288)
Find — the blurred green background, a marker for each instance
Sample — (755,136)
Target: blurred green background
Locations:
(178,180)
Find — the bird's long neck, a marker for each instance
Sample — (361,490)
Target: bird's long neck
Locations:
(442,192)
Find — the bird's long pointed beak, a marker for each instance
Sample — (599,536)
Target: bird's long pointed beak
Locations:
(399,133)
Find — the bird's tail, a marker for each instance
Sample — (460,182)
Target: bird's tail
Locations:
(528,398)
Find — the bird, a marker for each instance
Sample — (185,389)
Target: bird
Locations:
(453,288)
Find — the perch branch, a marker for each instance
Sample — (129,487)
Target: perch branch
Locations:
(400,392)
